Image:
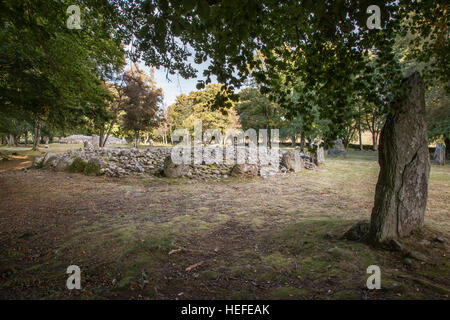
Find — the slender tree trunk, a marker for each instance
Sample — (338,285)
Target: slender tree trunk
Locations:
(37,133)
(108,133)
(360,135)
(293,138)
(136,138)
(375,141)
(374,135)
(302,141)
(26,138)
(101,137)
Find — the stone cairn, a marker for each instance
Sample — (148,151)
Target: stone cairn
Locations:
(119,162)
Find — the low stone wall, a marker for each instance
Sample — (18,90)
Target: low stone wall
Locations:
(80,139)
(116,162)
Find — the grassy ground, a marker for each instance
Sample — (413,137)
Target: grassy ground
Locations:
(152,238)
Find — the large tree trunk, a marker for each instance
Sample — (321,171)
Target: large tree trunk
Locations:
(402,187)
(11,140)
(447,148)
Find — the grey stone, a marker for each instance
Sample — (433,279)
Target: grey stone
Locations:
(407,261)
(440,239)
(292,161)
(63,164)
(417,255)
(358,232)
(50,160)
(244,170)
(439,154)
(172,170)
(338,149)
(319,156)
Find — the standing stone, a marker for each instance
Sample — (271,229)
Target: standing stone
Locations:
(95,140)
(172,170)
(402,187)
(439,154)
(319,155)
(292,161)
(338,149)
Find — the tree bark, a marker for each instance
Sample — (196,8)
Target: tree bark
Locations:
(136,138)
(101,137)
(447,148)
(402,187)
(302,141)
(10,140)
(37,132)
(374,135)
(375,141)
(360,135)
(293,138)
(108,133)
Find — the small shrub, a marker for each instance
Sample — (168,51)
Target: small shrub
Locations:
(92,168)
(78,165)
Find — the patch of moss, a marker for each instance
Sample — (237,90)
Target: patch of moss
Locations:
(313,264)
(209,275)
(241,271)
(278,262)
(288,293)
(347,295)
(78,165)
(124,282)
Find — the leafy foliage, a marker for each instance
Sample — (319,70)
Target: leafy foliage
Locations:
(196,106)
